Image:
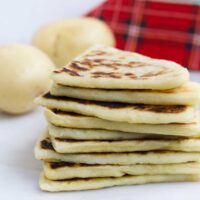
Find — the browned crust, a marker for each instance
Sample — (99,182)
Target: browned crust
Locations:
(116,105)
(46,144)
(174,90)
(97,59)
(56,165)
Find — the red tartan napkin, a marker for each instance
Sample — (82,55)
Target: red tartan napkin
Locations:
(154,28)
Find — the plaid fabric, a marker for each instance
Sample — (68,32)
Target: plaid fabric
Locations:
(154,28)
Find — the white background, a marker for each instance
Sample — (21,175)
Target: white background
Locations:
(19,171)
(19,19)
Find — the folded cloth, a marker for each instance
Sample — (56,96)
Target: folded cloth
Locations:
(161,29)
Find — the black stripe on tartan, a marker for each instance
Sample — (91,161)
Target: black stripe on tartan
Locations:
(188,45)
(191,29)
(125,36)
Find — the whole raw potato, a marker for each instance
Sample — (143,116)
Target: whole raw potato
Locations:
(24,74)
(64,40)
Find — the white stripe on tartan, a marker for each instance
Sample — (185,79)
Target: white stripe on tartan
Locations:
(136,18)
(116,11)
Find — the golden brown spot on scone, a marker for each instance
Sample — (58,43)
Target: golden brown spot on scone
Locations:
(106,74)
(156,73)
(98,60)
(137,64)
(69,71)
(160,108)
(97,53)
(131,75)
(77,66)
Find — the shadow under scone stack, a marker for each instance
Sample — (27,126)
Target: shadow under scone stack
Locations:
(119,118)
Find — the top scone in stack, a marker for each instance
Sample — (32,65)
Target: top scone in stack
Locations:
(119,118)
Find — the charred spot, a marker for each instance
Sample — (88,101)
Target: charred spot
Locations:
(46,144)
(48,96)
(57,71)
(67,140)
(82,141)
(129,74)
(161,108)
(154,152)
(74,179)
(107,104)
(55,165)
(112,105)
(64,112)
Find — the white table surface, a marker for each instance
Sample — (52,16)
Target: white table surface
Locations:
(19,171)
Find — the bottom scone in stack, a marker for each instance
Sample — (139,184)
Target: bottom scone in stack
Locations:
(119,118)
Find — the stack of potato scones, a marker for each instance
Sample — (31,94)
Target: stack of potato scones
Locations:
(119,118)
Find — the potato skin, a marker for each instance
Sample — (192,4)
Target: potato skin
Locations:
(64,40)
(24,75)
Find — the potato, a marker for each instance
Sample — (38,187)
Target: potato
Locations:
(24,74)
(64,40)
